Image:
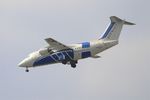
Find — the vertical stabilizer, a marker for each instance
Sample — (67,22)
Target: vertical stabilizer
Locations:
(114,29)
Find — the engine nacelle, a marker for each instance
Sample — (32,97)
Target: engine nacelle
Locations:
(46,51)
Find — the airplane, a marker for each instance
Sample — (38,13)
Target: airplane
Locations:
(57,52)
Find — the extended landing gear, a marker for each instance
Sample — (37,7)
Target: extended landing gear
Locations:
(64,62)
(73,63)
(27,70)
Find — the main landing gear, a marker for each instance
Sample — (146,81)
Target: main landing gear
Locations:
(73,63)
(27,70)
(64,62)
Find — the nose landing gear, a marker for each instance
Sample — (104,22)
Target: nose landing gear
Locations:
(27,70)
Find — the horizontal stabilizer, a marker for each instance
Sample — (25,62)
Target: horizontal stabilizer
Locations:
(116,19)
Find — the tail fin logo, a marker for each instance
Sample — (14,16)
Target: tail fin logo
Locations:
(108,30)
(113,31)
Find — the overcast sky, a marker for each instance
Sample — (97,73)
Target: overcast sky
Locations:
(123,72)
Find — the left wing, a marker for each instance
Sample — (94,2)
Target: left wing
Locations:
(56,45)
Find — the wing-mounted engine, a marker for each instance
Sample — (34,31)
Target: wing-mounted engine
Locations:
(46,51)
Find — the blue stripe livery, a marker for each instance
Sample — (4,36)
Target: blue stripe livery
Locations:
(108,31)
(60,56)
(85,44)
(56,57)
(44,61)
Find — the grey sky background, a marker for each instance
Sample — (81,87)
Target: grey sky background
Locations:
(123,72)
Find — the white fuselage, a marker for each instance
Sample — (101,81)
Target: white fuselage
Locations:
(79,51)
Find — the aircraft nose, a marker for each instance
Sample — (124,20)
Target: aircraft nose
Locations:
(22,64)
(25,63)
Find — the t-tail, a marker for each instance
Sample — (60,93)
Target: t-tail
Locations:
(114,29)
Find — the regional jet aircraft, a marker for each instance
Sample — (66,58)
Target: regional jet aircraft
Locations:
(57,52)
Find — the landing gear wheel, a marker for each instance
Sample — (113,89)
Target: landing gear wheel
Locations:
(64,62)
(73,65)
(27,70)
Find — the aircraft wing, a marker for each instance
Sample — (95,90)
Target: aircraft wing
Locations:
(56,45)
